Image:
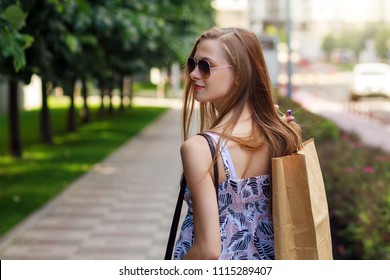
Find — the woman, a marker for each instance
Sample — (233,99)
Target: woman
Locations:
(226,73)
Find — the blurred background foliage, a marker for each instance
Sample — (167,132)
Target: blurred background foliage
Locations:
(356,40)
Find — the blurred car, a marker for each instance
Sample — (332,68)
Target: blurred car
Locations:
(370,79)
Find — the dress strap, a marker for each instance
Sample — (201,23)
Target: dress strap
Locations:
(229,162)
(226,158)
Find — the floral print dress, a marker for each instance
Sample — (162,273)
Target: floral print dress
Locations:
(245,219)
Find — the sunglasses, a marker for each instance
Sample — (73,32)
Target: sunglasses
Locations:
(203,66)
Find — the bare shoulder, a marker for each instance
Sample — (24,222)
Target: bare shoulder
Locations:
(197,162)
(196,145)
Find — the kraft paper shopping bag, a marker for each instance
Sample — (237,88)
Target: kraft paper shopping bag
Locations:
(300,208)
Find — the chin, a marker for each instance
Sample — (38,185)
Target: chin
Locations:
(200,98)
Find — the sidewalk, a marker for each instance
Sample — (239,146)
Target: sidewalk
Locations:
(372,132)
(122,209)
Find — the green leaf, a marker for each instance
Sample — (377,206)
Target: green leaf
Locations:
(12,41)
(59,6)
(89,39)
(9,44)
(5,47)
(19,59)
(72,42)
(12,44)
(15,16)
(29,40)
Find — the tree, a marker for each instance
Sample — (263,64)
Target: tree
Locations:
(328,44)
(53,53)
(12,60)
(355,40)
(382,42)
(40,55)
(102,41)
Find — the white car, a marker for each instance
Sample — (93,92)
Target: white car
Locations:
(370,79)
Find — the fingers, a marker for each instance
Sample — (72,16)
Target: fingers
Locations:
(289,116)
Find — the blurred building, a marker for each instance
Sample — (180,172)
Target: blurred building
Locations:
(231,13)
(311,19)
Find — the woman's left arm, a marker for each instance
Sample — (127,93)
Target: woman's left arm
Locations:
(197,164)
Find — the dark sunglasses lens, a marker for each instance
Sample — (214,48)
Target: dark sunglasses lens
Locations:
(204,68)
(191,64)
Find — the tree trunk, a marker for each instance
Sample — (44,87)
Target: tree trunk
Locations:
(131,91)
(110,107)
(72,110)
(85,112)
(101,109)
(121,94)
(46,133)
(14,121)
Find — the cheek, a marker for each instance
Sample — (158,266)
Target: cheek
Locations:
(219,87)
(220,90)
(216,87)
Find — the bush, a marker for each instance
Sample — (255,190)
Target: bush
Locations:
(359,199)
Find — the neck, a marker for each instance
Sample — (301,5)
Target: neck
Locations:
(244,118)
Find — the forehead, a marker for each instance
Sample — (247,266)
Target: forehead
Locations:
(211,49)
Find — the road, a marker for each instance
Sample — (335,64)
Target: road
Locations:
(328,91)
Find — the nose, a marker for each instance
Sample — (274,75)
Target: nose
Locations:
(195,74)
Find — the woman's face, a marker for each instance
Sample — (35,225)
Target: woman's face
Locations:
(215,87)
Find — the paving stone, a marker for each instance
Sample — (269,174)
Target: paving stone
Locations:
(121,209)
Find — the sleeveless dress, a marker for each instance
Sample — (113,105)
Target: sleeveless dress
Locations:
(245,219)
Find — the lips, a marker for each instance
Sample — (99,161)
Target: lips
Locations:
(198,87)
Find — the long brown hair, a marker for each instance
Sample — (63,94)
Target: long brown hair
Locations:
(252,86)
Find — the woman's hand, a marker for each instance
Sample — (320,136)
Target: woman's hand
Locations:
(288,115)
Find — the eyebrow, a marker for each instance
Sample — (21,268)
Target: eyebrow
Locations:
(208,59)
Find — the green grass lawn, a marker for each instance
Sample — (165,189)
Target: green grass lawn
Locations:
(29,121)
(44,171)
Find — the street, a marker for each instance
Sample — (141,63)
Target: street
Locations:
(326,90)
(325,93)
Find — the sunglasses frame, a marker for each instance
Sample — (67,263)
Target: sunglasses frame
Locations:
(205,73)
